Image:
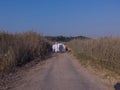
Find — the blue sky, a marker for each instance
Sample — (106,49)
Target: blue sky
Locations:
(94,18)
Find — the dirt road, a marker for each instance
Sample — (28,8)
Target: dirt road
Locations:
(61,72)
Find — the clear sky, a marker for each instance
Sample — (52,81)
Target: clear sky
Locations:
(92,18)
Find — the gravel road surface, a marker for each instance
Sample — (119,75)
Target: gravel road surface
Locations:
(60,72)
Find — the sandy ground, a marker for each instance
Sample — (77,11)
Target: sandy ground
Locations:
(61,72)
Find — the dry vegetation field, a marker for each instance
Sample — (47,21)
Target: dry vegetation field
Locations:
(20,48)
(101,53)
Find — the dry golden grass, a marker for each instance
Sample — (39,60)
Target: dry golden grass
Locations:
(103,52)
(18,49)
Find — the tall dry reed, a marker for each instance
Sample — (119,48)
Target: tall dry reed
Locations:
(104,51)
(18,49)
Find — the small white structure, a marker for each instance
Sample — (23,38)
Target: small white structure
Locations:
(55,47)
(58,47)
(61,47)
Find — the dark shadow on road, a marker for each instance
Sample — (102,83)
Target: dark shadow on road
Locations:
(117,86)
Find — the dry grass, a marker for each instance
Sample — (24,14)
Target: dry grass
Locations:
(103,52)
(18,49)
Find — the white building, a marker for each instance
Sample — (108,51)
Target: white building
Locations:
(58,47)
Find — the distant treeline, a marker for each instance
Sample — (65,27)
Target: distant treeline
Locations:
(64,38)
